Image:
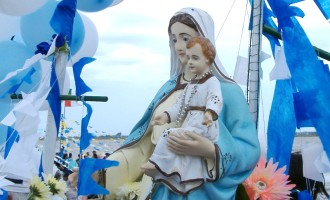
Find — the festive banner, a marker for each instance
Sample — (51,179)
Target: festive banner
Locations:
(88,166)
(324,6)
(85,137)
(81,87)
(62,19)
(307,73)
(282,124)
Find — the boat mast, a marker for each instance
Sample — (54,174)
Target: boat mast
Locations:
(253,81)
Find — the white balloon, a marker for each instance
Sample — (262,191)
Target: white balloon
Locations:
(10,26)
(20,7)
(115,2)
(91,40)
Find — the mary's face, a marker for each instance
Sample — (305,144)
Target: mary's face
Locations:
(180,35)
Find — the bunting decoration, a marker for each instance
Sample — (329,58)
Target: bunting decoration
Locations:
(86,184)
(85,135)
(268,21)
(314,93)
(14,80)
(12,136)
(54,97)
(324,7)
(282,124)
(62,19)
(23,120)
(81,87)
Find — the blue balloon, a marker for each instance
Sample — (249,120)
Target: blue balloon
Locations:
(13,56)
(35,28)
(93,5)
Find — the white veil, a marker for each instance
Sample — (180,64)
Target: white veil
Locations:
(205,26)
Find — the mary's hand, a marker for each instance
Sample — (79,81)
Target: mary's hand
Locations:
(197,146)
(160,120)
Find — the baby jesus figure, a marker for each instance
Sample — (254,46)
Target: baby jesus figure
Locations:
(198,106)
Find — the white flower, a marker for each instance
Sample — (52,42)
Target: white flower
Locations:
(38,190)
(129,191)
(56,187)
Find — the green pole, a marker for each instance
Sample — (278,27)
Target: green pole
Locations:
(71,97)
(320,52)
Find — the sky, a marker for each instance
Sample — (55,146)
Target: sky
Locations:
(133,56)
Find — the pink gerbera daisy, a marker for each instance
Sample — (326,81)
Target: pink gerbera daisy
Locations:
(267,182)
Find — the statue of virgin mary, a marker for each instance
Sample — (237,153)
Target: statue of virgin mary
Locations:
(230,161)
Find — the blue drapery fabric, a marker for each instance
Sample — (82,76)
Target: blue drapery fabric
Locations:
(12,136)
(87,166)
(4,196)
(300,110)
(11,85)
(41,168)
(62,19)
(307,73)
(324,6)
(268,21)
(85,137)
(81,86)
(54,97)
(304,195)
(282,124)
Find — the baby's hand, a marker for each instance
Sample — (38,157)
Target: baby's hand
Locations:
(160,119)
(208,119)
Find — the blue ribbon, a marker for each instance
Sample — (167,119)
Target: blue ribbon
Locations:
(81,87)
(303,120)
(4,196)
(12,136)
(267,18)
(87,166)
(304,195)
(11,85)
(54,97)
(42,48)
(324,6)
(41,168)
(85,137)
(63,17)
(281,124)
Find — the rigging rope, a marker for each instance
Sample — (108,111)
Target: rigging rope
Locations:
(246,13)
(224,22)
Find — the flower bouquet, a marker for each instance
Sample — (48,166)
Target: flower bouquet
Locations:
(129,191)
(50,188)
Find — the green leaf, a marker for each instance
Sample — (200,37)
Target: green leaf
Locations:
(241,193)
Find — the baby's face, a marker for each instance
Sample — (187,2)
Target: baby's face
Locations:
(197,62)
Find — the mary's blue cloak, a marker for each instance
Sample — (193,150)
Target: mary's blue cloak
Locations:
(238,145)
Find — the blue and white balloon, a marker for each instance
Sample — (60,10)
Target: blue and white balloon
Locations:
(35,28)
(20,7)
(91,41)
(95,5)
(11,24)
(13,56)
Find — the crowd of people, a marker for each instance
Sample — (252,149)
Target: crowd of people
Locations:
(68,169)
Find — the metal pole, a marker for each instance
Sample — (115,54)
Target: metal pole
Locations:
(320,52)
(253,83)
(71,97)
